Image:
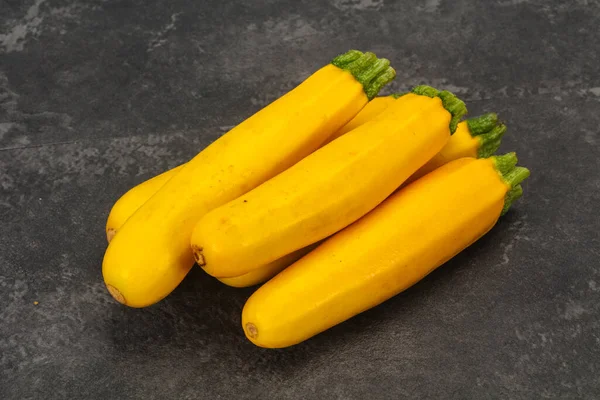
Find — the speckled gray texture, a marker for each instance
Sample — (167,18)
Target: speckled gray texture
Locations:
(97,96)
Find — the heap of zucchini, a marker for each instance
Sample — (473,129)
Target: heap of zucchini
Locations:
(338,198)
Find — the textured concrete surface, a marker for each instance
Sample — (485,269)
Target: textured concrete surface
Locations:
(97,96)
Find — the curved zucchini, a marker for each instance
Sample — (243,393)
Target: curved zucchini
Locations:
(409,235)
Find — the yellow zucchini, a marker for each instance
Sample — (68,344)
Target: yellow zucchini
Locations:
(329,189)
(409,235)
(133,199)
(151,255)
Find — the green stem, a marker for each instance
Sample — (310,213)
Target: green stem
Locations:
(488,131)
(482,124)
(490,142)
(513,194)
(361,64)
(512,176)
(451,103)
(505,163)
(378,83)
(344,59)
(516,176)
(398,95)
(425,90)
(373,73)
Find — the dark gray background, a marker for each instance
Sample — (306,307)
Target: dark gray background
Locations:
(97,96)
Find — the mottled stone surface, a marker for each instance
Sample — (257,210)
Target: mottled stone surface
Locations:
(97,96)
